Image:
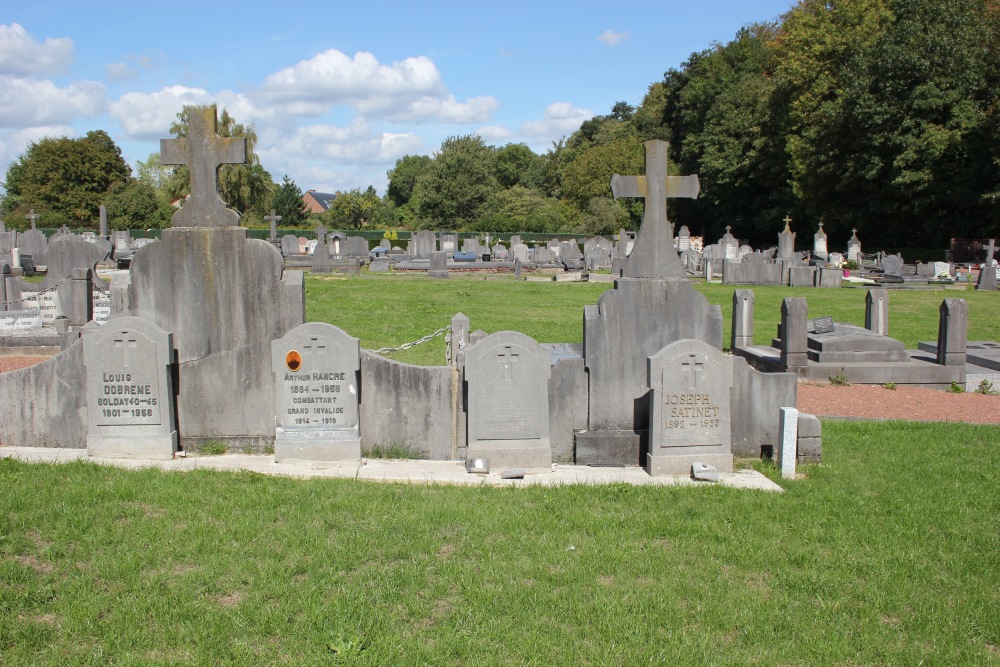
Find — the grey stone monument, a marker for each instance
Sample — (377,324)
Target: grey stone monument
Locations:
(988,272)
(32,217)
(439,264)
(102,221)
(854,248)
(507,375)
(819,244)
(877,311)
(130,397)
(289,245)
(424,243)
(653,255)
(786,241)
(321,258)
(794,340)
(273,220)
(742,329)
(691,383)
(892,265)
(315,369)
(952,332)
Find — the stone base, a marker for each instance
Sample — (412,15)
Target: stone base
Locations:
(531,455)
(437,274)
(680,464)
(611,448)
(292,445)
(135,446)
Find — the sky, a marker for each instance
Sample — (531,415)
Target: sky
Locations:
(338,91)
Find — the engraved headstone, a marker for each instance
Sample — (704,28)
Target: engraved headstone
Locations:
(854,248)
(892,265)
(691,383)
(130,398)
(20,320)
(507,374)
(424,243)
(315,368)
(786,241)
(819,243)
(684,239)
(438,265)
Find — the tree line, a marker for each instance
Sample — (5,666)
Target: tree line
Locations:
(875,115)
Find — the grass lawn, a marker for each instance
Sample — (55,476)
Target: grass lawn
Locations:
(388,310)
(887,554)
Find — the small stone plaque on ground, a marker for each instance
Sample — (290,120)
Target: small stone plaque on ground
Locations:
(315,368)
(129,390)
(820,325)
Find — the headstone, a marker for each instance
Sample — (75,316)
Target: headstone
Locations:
(742,325)
(854,248)
(654,255)
(684,239)
(877,311)
(500,252)
(130,398)
(819,244)
(449,243)
(892,265)
(424,243)
(273,219)
(514,240)
(386,244)
(315,368)
(517,268)
(439,264)
(988,272)
(952,332)
(794,345)
(730,246)
(787,450)
(691,382)
(544,256)
(786,241)
(820,325)
(204,151)
(836,259)
(34,243)
(103,221)
(289,245)
(507,375)
(520,252)
(32,217)
(321,258)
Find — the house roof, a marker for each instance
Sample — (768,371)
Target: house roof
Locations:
(322,199)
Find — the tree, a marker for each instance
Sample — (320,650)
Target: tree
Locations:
(136,205)
(589,174)
(521,209)
(403,177)
(244,187)
(66,177)
(356,209)
(517,164)
(286,201)
(459,185)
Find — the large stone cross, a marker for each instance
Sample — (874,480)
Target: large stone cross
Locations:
(274,220)
(32,216)
(990,249)
(653,255)
(203,151)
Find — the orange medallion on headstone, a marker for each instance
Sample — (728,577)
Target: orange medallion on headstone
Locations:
(293,360)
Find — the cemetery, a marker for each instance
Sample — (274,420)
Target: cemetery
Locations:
(205,338)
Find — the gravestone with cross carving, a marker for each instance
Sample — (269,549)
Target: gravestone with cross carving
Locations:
(130,398)
(203,151)
(786,241)
(315,368)
(507,374)
(988,272)
(653,255)
(691,383)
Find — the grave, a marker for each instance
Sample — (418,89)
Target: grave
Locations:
(819,244)
(316,415)
(321,258)
(423,244)
(438,265)
(507,375)
(130,397)
(987,272)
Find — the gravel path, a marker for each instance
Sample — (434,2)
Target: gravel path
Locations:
(823,399)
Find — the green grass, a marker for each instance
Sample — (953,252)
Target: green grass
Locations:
(886,554)
(389,310)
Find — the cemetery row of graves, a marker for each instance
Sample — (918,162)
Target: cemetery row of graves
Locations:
(204,339)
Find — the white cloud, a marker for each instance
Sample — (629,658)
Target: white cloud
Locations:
(22,55)
(14,142)
(409,90)
(355,144)
(30,102)
(497,133)
(612,38)
(149,115)
(120,72)
(558,120)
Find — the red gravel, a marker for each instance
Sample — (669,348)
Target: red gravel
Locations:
(13,363)
(872,401)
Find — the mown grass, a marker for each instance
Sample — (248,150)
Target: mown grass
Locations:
(887,554)
(388,310)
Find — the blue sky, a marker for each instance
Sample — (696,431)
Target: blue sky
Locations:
(339,91)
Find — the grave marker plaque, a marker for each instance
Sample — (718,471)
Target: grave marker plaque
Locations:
(315,368)
(691,383)
(130,400)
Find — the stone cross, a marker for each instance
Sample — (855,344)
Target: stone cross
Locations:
(693,366)
(508,360)
(653,255)
(273,219)
(728,229)
(787,220)
(203,151)
(32,216)
(990,249)
(123,344)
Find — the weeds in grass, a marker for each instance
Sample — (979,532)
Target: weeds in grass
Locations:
(393,450)
(891,386)
(986,387)
(343,647)
(840,379)
(213,448)
(956,388)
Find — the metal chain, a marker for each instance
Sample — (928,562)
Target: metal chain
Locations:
(407,346)
(38,294)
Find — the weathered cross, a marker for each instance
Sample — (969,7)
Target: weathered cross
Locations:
(653,255)
(508,359)
(854,232)
(203,151)
(990,249)
(32,216)
(313,344)
(693,366)
(728,230)
(787,220)
(274,220)
(123,343)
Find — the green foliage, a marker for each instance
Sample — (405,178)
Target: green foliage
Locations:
(956,388)
(357,209)
(393,450)
(68,179)
(214,448)
(244,187)
(589,174)
(520,209)
(517,165)
(840,379)
(286,200)
(986,387)
(891,386)
(404,176)
(137,205)
(457,188)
